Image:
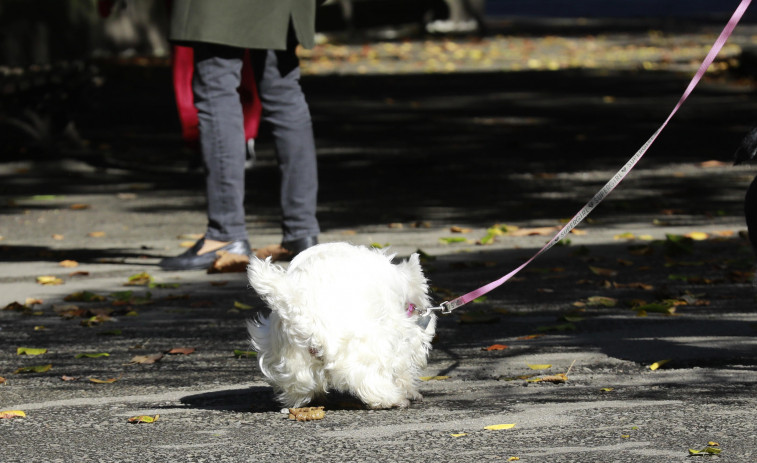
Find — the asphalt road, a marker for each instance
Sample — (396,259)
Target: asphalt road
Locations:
(402,160)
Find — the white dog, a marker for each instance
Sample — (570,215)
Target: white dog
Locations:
(343,318)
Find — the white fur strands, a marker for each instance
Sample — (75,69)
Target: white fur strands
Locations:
(339,322)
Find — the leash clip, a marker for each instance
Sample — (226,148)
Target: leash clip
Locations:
(445,308)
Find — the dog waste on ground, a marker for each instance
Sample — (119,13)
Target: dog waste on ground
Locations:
(307,413)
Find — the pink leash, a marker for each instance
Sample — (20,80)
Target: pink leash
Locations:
(449,306)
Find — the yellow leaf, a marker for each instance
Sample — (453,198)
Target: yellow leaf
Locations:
(624,236)
(697,236)
(139,279)
(30,351)
(103,381)
(143,419)
(49,280)
(539,366)
(241,306)
(34,369)
(96,234)
(513,459)
(607,389)
(8,414)
(459,434)
(68,263)
(658,364)
(497,427)
(433,378)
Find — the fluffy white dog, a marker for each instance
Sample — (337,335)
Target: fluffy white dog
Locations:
(343,318)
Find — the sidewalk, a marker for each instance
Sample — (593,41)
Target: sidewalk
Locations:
(403,159)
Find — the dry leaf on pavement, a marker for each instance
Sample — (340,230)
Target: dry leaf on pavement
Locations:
(228,262)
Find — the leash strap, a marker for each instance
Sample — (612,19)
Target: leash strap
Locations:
(448,306)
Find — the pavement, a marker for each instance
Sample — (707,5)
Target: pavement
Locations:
(403,160)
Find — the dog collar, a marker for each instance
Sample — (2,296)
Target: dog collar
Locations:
(410,309)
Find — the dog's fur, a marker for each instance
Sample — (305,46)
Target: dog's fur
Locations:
(339,321)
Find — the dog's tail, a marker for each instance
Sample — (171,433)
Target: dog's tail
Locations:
(275,288)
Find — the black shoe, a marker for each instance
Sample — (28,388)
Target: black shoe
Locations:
(297,246)
(189,260)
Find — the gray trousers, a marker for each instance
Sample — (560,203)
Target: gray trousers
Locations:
(216,78)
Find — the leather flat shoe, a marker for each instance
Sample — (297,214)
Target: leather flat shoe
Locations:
(297,246)
(190,260)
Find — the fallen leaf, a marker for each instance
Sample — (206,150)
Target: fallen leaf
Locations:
(96,234)
(558,378)
(605,272)
(540,231)
(461,434)
(92,355)
(495,347)
(513,459)
(228,262)
(241,306)
(34,369)
(144,419)
(103,381)
(30,301)
(456,229)
(705,451)
(68,378)
(497,427)
(79,207)
(49,280)
(181,350)
(245,353)
(2,380)
(57,236)
(624,236)
(9,414)
(68,263)
(146,359)
(433,378)
(274,251)
(84,296)
(307,413)
(697,236)
(30,351)
(529,337)
(453,239)
(658,364)
(713,163)
(139,279)
(607,389)
(539,366)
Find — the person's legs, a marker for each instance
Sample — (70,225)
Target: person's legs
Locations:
(216,77)
(222,138)
(285,108)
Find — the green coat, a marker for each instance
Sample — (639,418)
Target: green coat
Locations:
(243,23)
